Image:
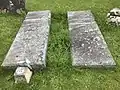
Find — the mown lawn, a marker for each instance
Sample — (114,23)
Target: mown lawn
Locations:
(59,74)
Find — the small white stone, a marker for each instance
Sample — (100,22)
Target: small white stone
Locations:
(103,54)
(88,53)
(22,74)
(83,45)
(90,50)
(89,47)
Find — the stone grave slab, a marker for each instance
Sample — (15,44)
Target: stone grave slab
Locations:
(30,44)
(89,48)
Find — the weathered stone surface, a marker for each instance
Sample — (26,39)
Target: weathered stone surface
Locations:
(89,48)
(22,74)
(31,41)
(37,14)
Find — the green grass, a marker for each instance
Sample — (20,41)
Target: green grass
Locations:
(59,74)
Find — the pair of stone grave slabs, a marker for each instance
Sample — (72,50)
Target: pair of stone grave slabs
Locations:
(89,48)
(30,44)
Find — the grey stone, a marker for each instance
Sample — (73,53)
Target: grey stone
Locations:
(31,42)
(37,14)
(22,74)
(89,48)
